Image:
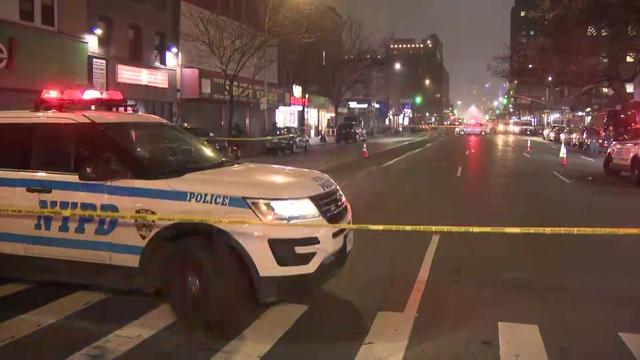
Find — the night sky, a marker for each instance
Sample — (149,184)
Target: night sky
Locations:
(472,31)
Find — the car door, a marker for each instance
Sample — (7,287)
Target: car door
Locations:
(15,147)
(55,160)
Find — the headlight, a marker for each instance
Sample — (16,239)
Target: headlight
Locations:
(271,211)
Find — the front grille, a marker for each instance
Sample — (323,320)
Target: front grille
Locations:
(332,205)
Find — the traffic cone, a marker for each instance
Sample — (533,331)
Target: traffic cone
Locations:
(365,153)
(563,155)
(528,146)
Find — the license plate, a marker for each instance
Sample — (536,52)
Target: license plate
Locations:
(348,239)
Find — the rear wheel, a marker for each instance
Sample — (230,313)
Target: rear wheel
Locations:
(461,132)
(208,287)
(608,167)
(635,171)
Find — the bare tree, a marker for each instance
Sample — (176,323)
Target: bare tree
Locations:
(234,48)
(359,58)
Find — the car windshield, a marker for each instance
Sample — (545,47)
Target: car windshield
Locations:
(320,179)
(164,149)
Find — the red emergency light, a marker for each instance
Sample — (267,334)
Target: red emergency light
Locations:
(55,98)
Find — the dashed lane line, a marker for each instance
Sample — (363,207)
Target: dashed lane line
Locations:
(27,323)
(130,335)
(633,343)
(258,338)
(587,158)
(459,171)
(520,341)
(389,334)
(526,155)
(562,177)
(403,156)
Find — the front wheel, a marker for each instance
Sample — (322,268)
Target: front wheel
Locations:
(208,286)
(608,167)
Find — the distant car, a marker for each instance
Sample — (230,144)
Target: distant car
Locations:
(565,136)
(554,134)
(231,152)
(287,139)
(577,138)
(472,129)
(624,155)
(527,129)
(349,132)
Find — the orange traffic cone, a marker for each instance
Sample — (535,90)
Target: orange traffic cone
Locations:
(563,155)
(528,146)
(365,153)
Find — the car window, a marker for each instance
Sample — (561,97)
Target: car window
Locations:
(53,147)
(15,146)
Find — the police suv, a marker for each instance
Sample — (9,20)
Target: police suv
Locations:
(81,151)
(624,155)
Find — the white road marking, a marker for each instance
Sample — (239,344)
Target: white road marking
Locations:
(520,341)
(459,171)
(467,153)
(258,338)
(527,155)
(389,334)
(562,177)
(128,336)
(633,343)
(27,323)
(403,156)
(587,158)
(12,288)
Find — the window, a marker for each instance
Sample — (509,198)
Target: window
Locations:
(632,30)
(523,13)
(53,146)
(160,49)
(604,32)
(135,43)
(105,24)
(205,84)
(15,145)
(591,31)
(27,10)
(631,57)
(48,13)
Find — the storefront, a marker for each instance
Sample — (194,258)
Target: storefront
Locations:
(27,64)
(319,113)
(204,103)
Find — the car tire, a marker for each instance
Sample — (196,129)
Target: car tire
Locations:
(208,287)
(483,133)
(635,171)
(608,167)
(461,132)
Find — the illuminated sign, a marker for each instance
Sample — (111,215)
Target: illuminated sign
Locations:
(297,98)
(297,91)
(139,76)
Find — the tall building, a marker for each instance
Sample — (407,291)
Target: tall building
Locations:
(418,79)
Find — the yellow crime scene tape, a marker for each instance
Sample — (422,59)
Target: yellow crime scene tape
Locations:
(629,231)
(254,139)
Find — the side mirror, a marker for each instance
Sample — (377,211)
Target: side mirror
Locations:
(100,169)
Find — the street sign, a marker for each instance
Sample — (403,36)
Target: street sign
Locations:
(4,56)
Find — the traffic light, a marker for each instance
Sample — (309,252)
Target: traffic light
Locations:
(505,100)
(418,100)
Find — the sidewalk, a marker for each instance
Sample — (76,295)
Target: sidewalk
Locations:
(324,155)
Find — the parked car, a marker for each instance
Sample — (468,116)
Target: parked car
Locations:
(350,132)
(624,155)
(287,139)
(554,133)
(577,138)
(472,129)
(231,152)
(565,136)
(527,128)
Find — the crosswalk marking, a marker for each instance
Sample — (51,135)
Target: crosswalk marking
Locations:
(258,338)
(520,341)
(128,336)
(389,335)
(12,288)
(633,343)
(27,323)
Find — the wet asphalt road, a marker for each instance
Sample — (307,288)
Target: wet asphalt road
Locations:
(411,295)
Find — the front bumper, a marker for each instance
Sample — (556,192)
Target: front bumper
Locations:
(275,288)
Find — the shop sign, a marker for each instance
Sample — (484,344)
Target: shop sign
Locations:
(298,98)
(99,74)
(245,92)
(140,76)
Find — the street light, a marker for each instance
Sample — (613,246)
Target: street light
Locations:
(427,82)
(550,78)
(459,102)
(397,66)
